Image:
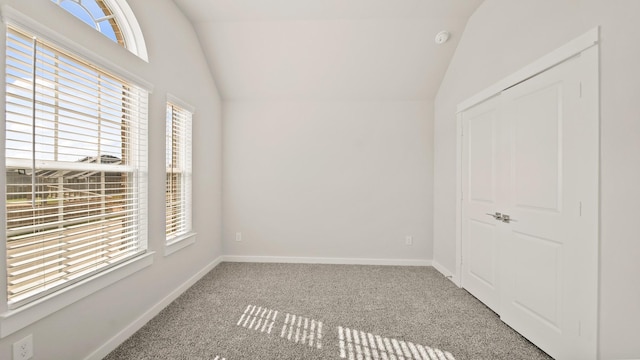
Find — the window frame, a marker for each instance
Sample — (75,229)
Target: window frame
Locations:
(99,23)
(12,320)
(128,25)
(187,238)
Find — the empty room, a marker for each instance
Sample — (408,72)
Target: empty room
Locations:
(334,179)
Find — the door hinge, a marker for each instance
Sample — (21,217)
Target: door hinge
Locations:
(580,210)
(580,90)
(579,328)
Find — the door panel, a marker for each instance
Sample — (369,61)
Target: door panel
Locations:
(482,137)
(537,147)
(482,263)
(480,270)
(534,300)
(538,275)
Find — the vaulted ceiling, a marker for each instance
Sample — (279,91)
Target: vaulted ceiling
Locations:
(333,50)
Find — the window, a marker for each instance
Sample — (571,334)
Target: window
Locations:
(75,168)
(97,14)
(178,163)
(113,18)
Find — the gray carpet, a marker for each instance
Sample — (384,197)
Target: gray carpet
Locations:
(374,312)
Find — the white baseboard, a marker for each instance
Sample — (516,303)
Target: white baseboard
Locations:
(444,271)
(138,323)
(318,260)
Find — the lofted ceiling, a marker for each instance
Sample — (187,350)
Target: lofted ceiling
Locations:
(327,50)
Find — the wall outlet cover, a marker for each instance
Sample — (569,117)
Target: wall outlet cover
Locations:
(23,349)
(408,240)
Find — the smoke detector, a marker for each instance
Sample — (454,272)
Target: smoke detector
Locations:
(442,37)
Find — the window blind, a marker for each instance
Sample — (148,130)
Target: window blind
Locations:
(75,147)
(178,162)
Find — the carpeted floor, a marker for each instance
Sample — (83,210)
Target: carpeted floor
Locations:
(326,312)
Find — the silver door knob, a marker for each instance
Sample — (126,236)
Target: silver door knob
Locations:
(497,216)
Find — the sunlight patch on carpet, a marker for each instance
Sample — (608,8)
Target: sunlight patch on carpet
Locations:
(353,344)
(298,329)
(258,318)
(302,330)
(358,345)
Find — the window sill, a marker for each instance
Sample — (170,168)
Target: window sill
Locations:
(179,243)
(14,320)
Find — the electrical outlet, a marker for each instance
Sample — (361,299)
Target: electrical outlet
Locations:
(408,240)
(23,349)
(238,236)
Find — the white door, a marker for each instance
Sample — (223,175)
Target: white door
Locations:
(531,154)
(480,232)
(547,143)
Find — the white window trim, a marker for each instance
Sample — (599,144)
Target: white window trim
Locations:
(14,320)
(133,37)
(184,240)
(177,101)
(179,243)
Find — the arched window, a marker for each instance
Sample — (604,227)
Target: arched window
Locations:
(113,18)
(96,14)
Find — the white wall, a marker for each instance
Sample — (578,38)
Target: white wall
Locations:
(177,66)
(328,179)
(504,36)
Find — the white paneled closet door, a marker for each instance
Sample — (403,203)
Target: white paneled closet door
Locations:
(529,214)
(480,183)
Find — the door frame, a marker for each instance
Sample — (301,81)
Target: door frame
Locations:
(588,40)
